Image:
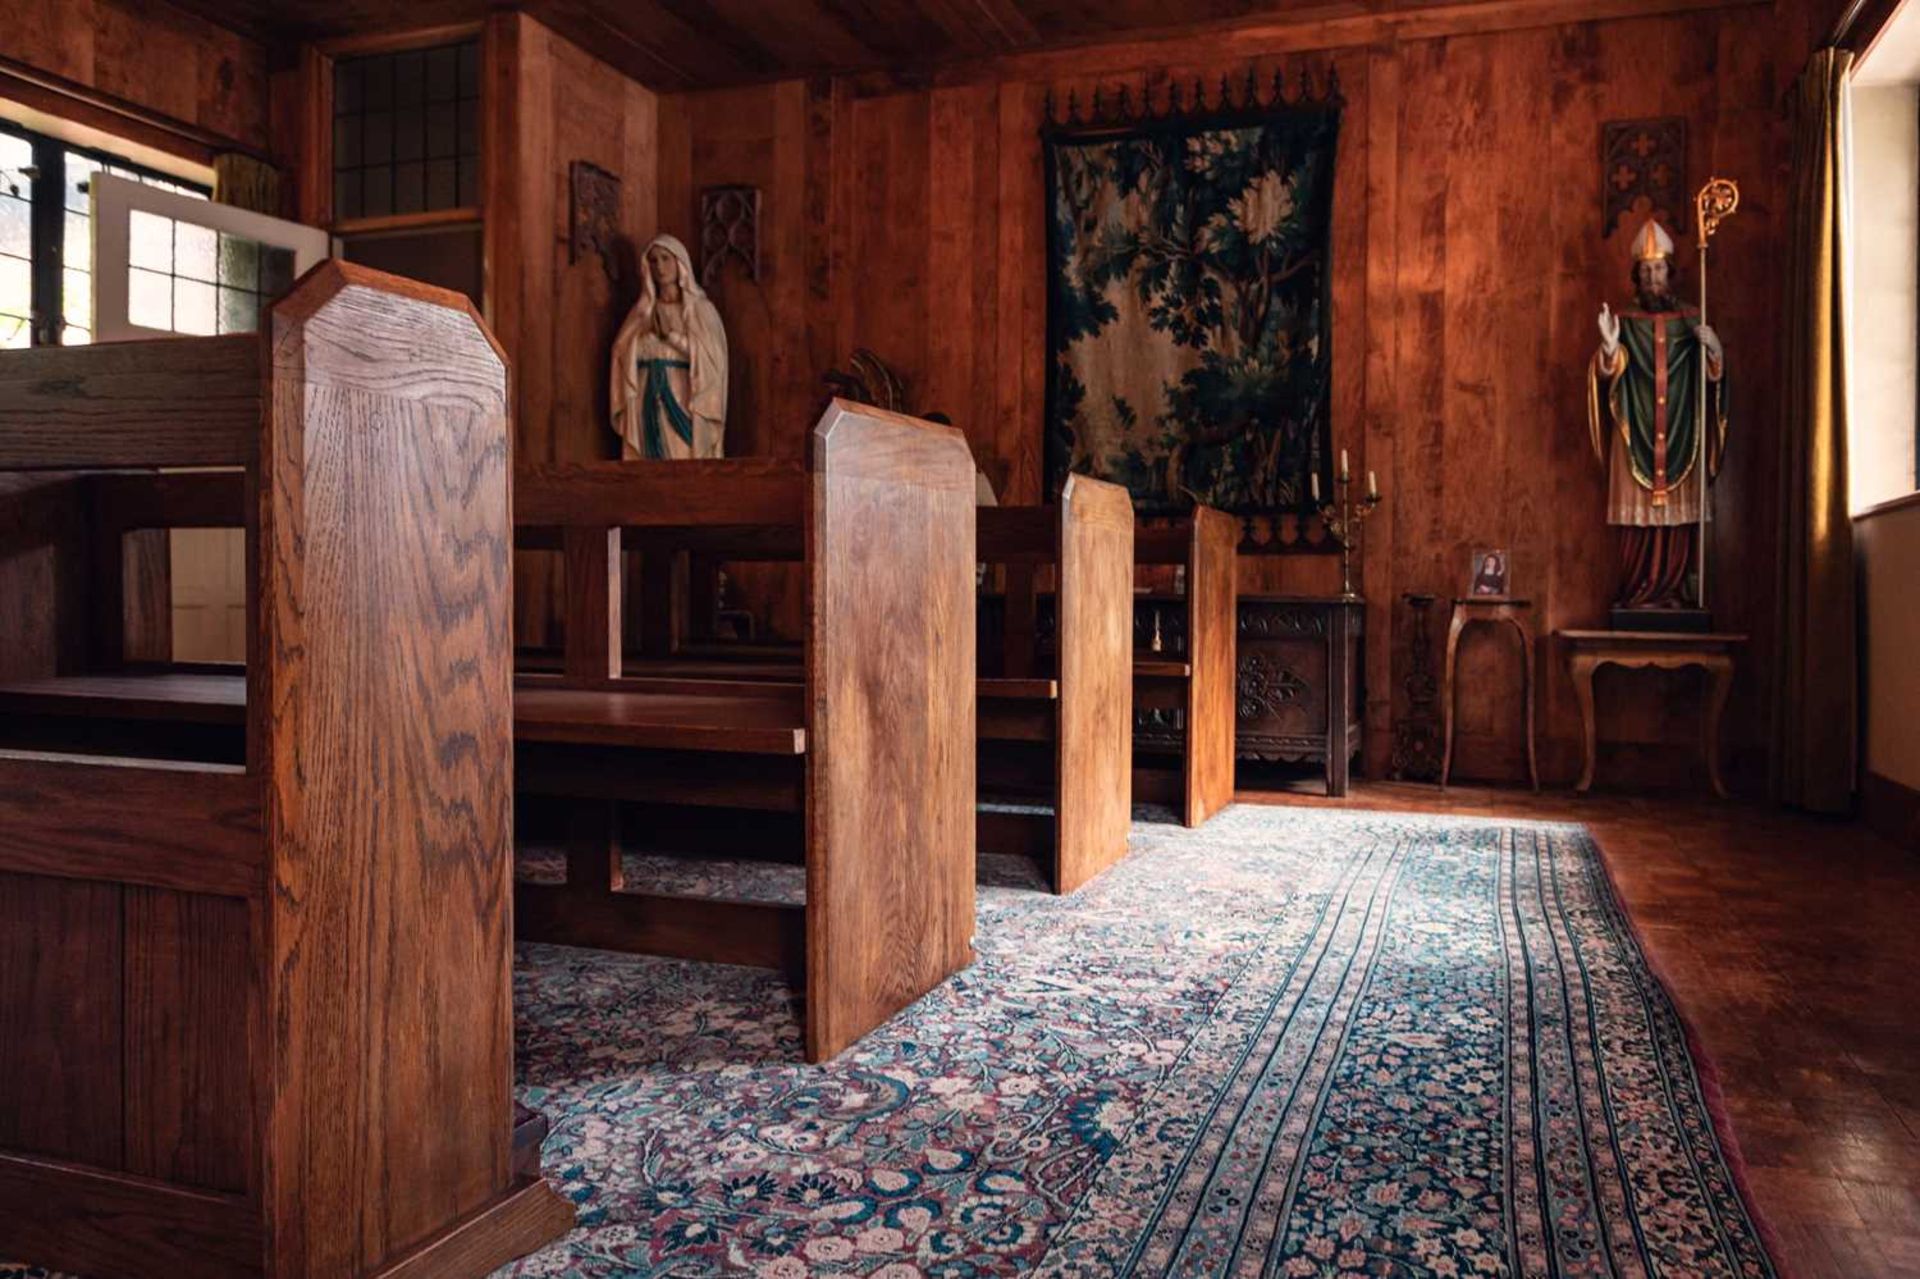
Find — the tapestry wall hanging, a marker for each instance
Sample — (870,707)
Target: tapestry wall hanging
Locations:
(1188,324)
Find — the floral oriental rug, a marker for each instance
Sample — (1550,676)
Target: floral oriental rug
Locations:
(1291,1043)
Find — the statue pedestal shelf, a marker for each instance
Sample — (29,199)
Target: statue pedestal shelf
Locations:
(1588,651)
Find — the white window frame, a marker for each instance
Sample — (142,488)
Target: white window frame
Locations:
(114,202)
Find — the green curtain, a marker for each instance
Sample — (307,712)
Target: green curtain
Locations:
(1815,686)
(246,183)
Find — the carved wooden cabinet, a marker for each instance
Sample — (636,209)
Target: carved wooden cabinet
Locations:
(1298,684)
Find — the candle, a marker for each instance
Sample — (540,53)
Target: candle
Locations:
(1373,487)
(1315,477)
(1345,474)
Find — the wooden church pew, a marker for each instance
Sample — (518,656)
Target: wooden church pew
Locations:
(257,1015)
(1056,719)
(861,757)
(1191,767)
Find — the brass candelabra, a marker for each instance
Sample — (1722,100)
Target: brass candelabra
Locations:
(1345,517)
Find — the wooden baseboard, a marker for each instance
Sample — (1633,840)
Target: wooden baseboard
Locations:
(527,1217)
(1891,809)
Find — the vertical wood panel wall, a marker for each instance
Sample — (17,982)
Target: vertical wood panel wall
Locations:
(1468,264)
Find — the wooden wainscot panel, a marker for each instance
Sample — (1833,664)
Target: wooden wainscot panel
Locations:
(890,668)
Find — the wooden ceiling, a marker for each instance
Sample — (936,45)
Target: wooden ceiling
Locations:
(693,44)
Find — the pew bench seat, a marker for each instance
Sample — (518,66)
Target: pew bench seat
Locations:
(167,697)
(748,720)
(768,719)
(1156,669)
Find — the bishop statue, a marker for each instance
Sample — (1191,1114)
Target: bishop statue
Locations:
(1645,414)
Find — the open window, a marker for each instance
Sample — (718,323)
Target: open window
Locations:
(166,263)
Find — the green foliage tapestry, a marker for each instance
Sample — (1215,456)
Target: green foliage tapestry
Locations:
(1187,317)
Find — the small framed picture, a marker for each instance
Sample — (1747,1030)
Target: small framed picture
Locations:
(1489,572)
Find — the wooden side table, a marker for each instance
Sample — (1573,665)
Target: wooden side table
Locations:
(1515,612)
(1588,651)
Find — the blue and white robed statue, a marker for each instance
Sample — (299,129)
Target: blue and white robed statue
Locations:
(669,380)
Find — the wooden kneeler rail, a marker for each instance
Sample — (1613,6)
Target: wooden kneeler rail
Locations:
(1200,684)
(258,1017)
(1079,698)
(871,744)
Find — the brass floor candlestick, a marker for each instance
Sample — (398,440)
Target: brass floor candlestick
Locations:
(1344,518)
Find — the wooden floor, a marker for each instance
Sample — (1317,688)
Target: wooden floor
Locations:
(1793,947)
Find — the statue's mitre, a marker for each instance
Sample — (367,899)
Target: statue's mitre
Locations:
(1652,243)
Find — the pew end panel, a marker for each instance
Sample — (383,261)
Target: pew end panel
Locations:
(889,679)
(1094,769)
(293,1048)
(383,727)
(1212,595)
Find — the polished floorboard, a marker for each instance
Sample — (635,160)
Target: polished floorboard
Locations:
(1792,945)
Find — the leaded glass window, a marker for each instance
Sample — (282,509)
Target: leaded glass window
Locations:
(46,234)
(406,131)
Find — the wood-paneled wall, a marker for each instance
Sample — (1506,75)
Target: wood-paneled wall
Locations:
(150,54)
(1468,263)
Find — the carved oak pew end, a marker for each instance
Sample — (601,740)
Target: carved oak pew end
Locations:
(868,736)
(214,1065)
(1196,682)
(1074,695)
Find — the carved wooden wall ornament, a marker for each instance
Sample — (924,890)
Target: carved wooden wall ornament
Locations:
(729,231)
(1643,158)
(595,222)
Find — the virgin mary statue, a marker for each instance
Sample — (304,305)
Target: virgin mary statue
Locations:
(669,384)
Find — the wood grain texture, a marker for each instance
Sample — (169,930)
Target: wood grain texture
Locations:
(60,1015)
(1466,164)
(196,829)
(1094,764)
(385,512)
(131,404)
(767,720)
(890,667)
(731,492)
(108,1226)
(1212,628)
(708,929)
(154,74)
(189,995)
(491,1237)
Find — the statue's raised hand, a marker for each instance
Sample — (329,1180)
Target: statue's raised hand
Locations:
(1609,331)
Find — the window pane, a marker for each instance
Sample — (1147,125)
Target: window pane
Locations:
(346,195)
(149,299)
(16,226)
(409,187)
(239,311)
(377,146)
(73,335)
(376,199)
(16,286)
(193,307)
(150,241)
(16,153)
(15,332)
(76,297)
(195,250)
(443,191)
(239,262)
(77,250)
(80,169)
(276,271)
